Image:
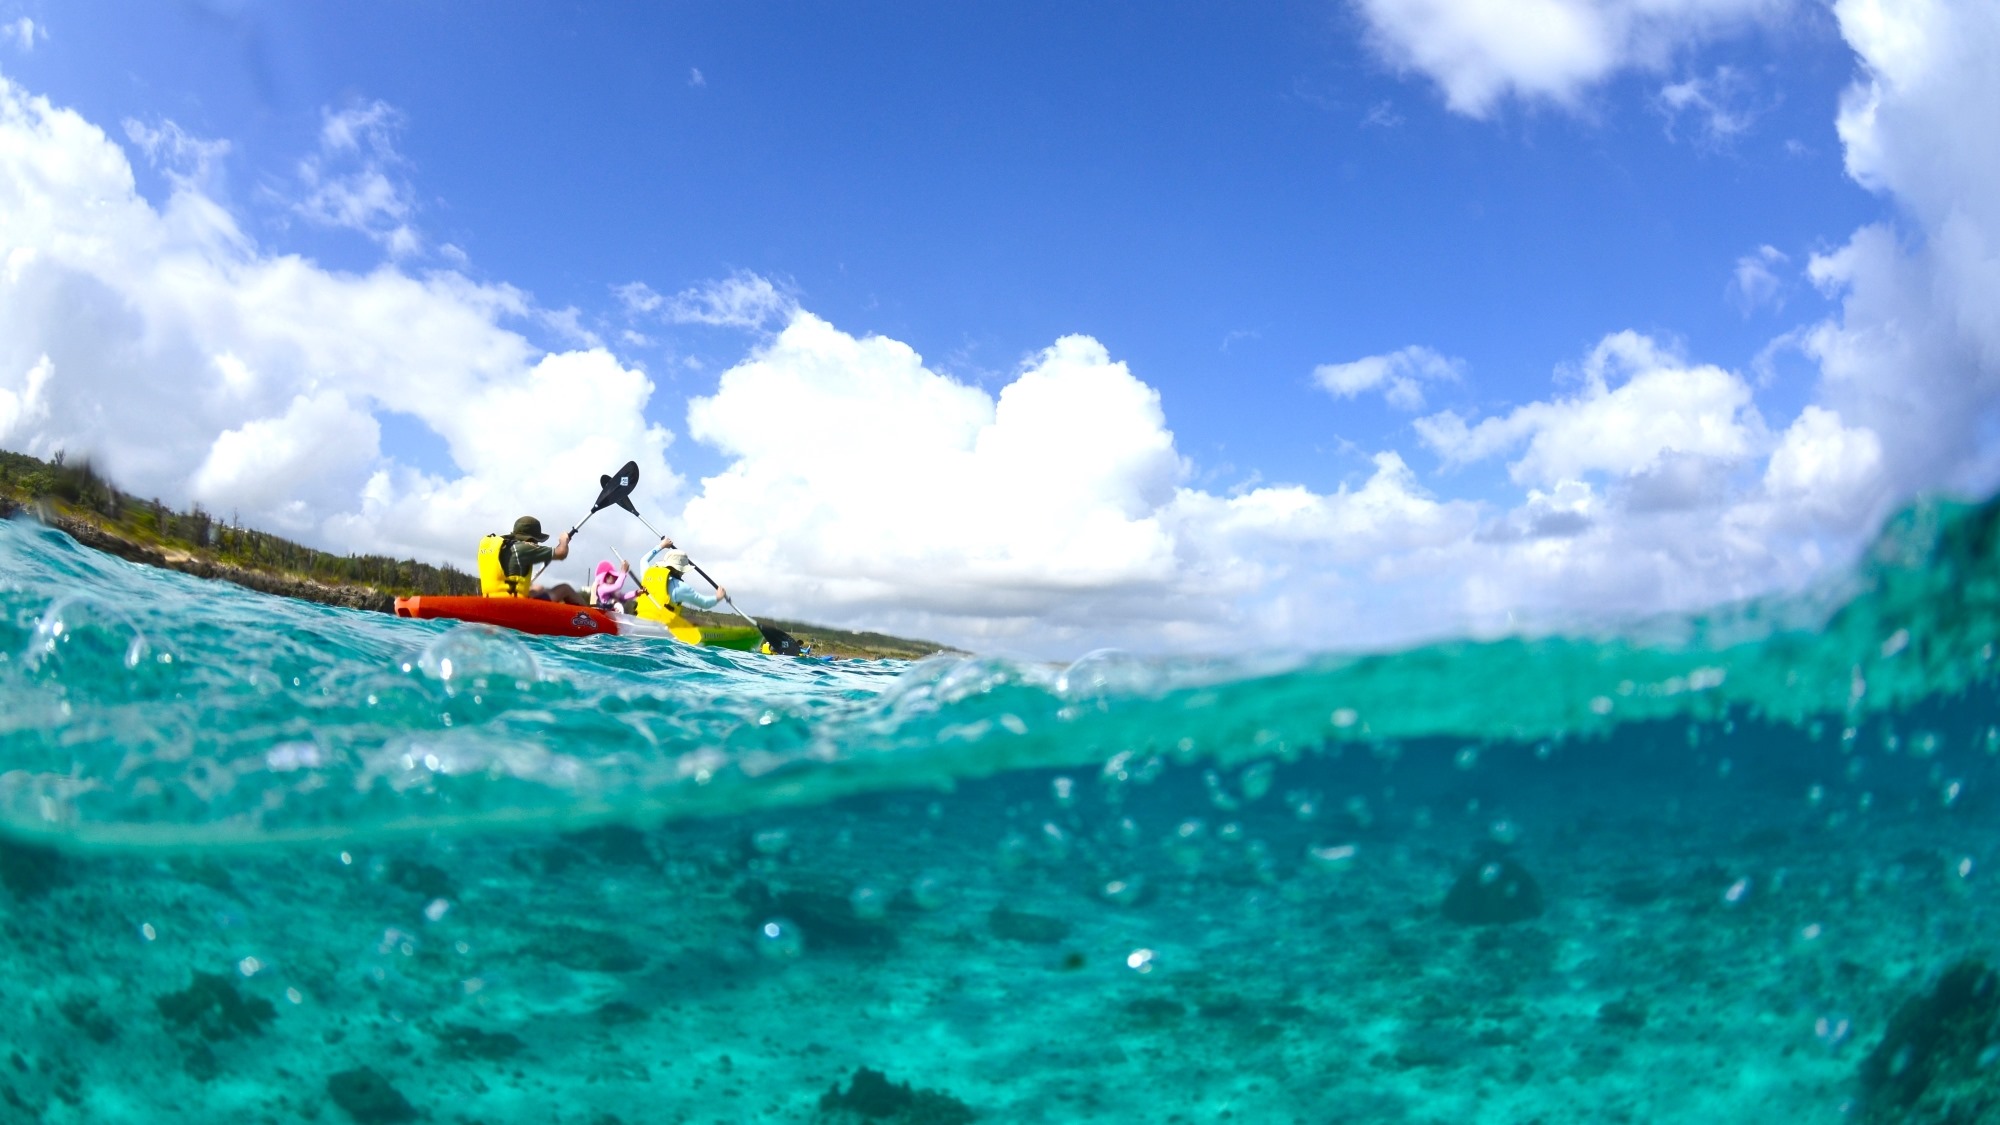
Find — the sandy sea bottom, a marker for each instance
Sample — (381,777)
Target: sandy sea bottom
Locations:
(1725,921)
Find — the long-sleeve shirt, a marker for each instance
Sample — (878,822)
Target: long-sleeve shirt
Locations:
(678,591)
(684,594)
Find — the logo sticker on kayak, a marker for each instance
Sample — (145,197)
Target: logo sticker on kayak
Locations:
(583,621)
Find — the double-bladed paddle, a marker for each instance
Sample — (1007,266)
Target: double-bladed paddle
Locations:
(615,488)
(618,490)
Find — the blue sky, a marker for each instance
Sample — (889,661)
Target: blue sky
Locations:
(1201,188)
(1224,198)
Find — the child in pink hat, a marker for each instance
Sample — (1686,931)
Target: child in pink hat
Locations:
(607,588)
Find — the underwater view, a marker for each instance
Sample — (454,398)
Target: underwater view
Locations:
(271,861)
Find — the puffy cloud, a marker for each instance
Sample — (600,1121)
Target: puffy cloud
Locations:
(24,404)
(352,181)
(1755,283)
(1661,407)
(865,486)
(638,297)
(312,456)
(935,483)
(1828,470)
(23,33)
(1719,104)
(190,162)
(741,300)
(195,366)
(1399,375)
(1914,354)
(1481,51)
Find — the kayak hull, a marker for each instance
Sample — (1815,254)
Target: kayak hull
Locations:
(526,615)
(557,619)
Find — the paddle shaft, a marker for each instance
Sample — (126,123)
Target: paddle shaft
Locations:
(725,597)
(642,585)
(697,570)
(572,531)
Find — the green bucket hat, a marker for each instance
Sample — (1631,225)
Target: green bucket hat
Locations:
(528,527)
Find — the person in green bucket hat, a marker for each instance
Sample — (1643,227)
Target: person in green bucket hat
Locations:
(524,549)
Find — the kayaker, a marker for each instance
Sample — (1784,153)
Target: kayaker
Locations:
(607,587)
(513,560)
(675,562)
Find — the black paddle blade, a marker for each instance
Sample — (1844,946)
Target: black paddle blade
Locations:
(781,642)
(615,488)
(625,502)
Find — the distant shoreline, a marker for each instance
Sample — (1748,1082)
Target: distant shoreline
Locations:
(27,485)
(98,538)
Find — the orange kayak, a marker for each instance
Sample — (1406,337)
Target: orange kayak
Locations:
(527,615)
(559,619)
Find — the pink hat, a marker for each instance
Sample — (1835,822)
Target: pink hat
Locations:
(607,579)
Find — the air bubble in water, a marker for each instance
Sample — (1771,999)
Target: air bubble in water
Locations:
(1185,846)
(1339,857)
(770,841)
(479,655)
(1124,892)
(868,902)
(1357,809)
(1304,804)
(1064,790)
(1055,841)
(80,633)
(1217,795)
(1256,780)
(1014,850)
(930,891)
(779,939)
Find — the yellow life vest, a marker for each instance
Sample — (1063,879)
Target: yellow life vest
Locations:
(658,582)
(494,581)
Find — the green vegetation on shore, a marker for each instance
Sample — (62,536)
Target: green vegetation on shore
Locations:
(73,497)
(75,490)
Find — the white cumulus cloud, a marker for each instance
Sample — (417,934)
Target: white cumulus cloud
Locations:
(1755,283)
(23,33)
(1638,403)
(866,486)
(1480,52)
(354,180)
(741,300)
(1719,105)
(1914,354)
(1399,375)
(193,365)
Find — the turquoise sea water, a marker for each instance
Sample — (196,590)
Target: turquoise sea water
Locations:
(269,861)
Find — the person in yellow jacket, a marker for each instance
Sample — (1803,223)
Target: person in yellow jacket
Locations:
(507,567)
(675,562)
